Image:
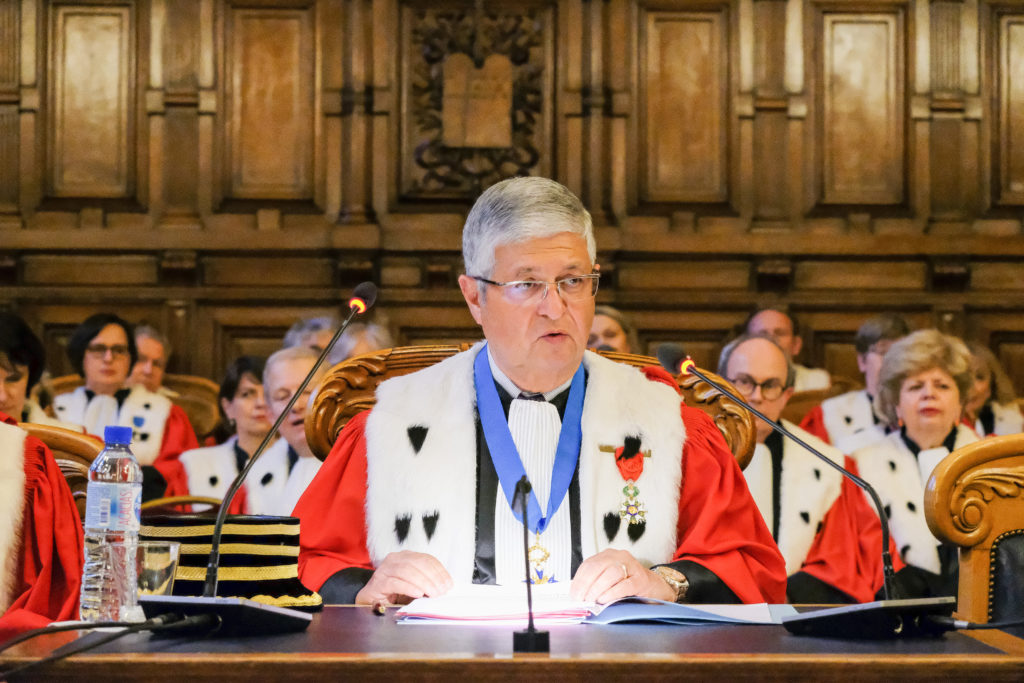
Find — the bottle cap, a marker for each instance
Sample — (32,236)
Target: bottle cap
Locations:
(114,434)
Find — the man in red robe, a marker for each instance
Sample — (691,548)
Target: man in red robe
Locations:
(632,494)
(828,533)
(41,550)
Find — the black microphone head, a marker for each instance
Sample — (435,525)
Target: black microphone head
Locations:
(604,347)
(364,296)
(671,356)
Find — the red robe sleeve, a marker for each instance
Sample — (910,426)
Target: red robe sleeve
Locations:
(337,493)
(720,527)
(178,438)
(49,567)
(814,423)
(847,552)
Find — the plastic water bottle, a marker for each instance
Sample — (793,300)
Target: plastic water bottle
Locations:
(112,508)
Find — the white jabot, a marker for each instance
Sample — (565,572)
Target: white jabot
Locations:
(535,427)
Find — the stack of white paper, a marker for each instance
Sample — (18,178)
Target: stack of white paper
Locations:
(494,605)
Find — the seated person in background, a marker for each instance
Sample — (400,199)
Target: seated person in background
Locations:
(416,494)
(922,387)
(102,350)
(360,338)
(22,361)
(827,531)
(244,411)
(783,330)
(282,376)
(154,352)
(41,551)
(991,402)
(315,333)
(849,421)
(612,331)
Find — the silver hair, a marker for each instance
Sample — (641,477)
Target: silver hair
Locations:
(147,330)
(517,210)
(300,333)
(723,358)
(375,334)
(290,353)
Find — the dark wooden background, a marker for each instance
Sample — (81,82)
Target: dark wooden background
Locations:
(223,168)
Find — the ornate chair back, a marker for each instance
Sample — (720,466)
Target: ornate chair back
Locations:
(74,453)
(197,396)
(975,500)
(350,388)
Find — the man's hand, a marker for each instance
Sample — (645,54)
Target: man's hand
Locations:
(613,574)
(404,576)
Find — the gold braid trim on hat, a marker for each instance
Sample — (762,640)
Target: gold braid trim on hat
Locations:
(289,601)
(290,571)
(240,549)
(207,530)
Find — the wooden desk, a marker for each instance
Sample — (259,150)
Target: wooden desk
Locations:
(353,643)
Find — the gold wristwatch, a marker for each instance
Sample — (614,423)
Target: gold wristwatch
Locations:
(674,578)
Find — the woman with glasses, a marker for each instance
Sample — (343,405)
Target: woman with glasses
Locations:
(923,384)
(102,350)
(612,331)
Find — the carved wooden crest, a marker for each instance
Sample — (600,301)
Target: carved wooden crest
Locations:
(476,109)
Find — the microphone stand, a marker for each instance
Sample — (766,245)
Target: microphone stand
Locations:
(235,618)
(530,640)
(887,618)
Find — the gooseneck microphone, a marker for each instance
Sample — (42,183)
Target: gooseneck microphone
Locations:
(886,618)
(253,616)
(530,640)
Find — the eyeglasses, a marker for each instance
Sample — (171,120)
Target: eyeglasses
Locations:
(771,389)
(573,288)
(101,350)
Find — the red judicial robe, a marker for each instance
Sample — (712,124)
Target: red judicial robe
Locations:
(178,438)
(847,552)
(718,525)
(43,567)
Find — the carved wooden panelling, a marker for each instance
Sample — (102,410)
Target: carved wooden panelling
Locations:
(270,71)
(513,47)
(83,269)
(91,100)
(684,275)
(945,63)
(1011,111)
(262,272)
(9,141)
(846,276)
(181,46)
(685,90)
(9,148)
(862,99)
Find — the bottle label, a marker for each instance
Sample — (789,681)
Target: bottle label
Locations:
(113,506)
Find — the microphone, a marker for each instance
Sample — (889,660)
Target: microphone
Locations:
(887,618)
(530,640)
(239,616)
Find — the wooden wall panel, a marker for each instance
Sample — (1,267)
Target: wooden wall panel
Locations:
(685,90)
(862,80)
(9,119)
(1010,126)
(91,97)
(270,70)
(273,153)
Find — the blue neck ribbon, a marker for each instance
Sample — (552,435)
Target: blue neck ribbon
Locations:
(507,463)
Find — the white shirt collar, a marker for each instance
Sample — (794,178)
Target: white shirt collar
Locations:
(508,385)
